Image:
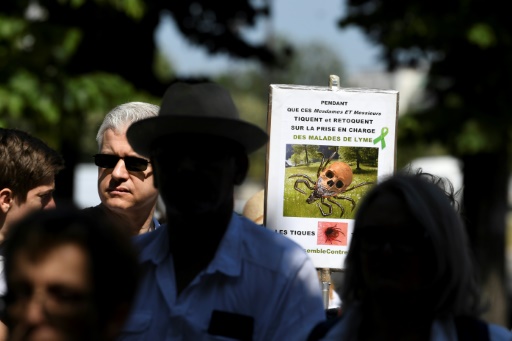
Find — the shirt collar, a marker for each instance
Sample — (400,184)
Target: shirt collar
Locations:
(154,247)
(228,258)
(156,223)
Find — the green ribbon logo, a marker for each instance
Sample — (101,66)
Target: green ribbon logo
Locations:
(383,133)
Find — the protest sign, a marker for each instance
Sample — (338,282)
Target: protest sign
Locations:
(328,146)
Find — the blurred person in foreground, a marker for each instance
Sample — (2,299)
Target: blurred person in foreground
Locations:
(409,272)
(70,276)
(125,178)
(209,273)
(28,167)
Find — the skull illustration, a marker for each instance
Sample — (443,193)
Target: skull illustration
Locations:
(329,186)
(335,179)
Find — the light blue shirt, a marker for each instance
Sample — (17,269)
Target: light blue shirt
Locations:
(156,223)
(256,273)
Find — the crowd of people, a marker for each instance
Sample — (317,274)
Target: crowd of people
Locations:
(115,272)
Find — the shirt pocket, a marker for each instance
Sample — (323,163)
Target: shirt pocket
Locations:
(136,327)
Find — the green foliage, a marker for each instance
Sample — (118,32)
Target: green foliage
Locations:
(468,46)
(482,35)
(43,108)
(296,159)
(69,44)
(254,110)
(73,3)
(305,154)
(132,8)
(64,66)
(163,69)
(11,29)
(359,154)
(97,94)
(42,92)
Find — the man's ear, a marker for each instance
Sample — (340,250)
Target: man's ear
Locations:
(6,198)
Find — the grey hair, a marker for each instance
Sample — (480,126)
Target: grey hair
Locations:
(124,115)
(453,287)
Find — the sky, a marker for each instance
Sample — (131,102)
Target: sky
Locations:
(301,21)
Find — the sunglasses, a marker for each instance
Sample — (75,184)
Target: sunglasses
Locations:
(132,163)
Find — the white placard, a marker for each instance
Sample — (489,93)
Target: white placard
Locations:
(327,148)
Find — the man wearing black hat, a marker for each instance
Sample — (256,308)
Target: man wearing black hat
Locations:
(210,273)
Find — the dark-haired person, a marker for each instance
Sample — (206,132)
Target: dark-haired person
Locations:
(210,273)
(70,276)
(409,272)
(28,167)
(125,178)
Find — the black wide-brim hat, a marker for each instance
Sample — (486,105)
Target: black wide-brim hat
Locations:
(204,108)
